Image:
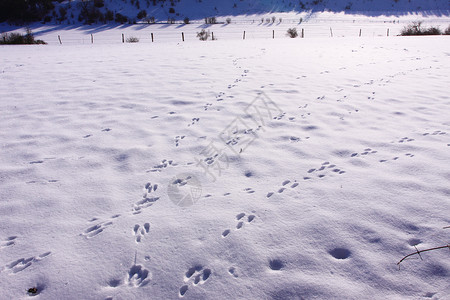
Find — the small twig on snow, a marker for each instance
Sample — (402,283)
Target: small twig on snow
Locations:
(420,251)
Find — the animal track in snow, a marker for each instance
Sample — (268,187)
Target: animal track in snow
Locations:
(207,106)
(287,184)
(10,241)
(137,276)
(164,164)
(177,141)
(340,253)
(23,263)
(437,132)
(249,190)
(219,97)
(140,231)
(147,200)
(197,275)
(323,170)
(405,139)
(241,220)
(366,151)
(232,271)
(98,228)
(194,121)
(395,158)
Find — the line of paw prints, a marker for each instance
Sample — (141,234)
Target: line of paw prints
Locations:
(99,227)
(103,130)
(178,138)
(22,263)
(280,116)
(405,140)
(194,121)
(437,132)
(165,163)
(295,139)
(197,275)
(241,220)
(147,198)
(323,170)
(367,151)
(285,185)
(306,114)
(219,97)
(395,158)
(237,80)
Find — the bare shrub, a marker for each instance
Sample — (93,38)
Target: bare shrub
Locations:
(203,35)
(132,39)
(292,33)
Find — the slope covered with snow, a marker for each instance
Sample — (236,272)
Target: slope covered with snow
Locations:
(315,165)
(106,11)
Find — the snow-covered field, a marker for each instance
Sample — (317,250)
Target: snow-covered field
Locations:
(320,163)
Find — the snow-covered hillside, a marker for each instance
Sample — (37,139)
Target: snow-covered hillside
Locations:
(315,165)
(195,9)
(130,11)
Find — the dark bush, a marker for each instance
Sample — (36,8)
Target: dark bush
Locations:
(132,39)
(47,19)
(24,10)
(203,35)
(99,3)
(416,29)
(171,10)
(432,31)
(89,13)
(62,14)
(292,32)
(121,18)
(142,14)
(447,31)
(19,39)
(211,20)
(150,20)
(109,15)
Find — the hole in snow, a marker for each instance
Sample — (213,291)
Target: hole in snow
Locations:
(340,253)
(414,242)
(276,264)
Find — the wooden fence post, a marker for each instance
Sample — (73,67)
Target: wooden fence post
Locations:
(388,32)
(212,33)
(182,36)
(152,37)
(123,38)
(92,38)
(273,34)
(360,30)
(303,32)
(243,37)
(59,38)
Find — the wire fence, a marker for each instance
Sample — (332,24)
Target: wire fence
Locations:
(248,29)
(153,34)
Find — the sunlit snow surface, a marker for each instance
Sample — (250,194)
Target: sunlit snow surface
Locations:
(348,173)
